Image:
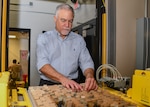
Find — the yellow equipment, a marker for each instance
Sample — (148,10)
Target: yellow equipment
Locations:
(140,90)
(12,97)
(4,79)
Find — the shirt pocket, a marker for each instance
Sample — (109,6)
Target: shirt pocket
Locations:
(75,53)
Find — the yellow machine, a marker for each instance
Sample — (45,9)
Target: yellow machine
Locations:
(4,79)
(140,90)
(10,97)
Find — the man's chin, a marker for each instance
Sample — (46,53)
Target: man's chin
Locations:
(65,33)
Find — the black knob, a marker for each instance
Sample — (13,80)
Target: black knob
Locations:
(74,1)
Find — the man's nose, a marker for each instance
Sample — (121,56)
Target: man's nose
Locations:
(67,23)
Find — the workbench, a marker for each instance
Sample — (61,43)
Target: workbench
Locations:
(57,95)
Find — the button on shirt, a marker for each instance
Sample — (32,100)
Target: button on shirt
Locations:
(65,55)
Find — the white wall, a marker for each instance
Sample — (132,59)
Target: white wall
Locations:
(127,11)
(39,17)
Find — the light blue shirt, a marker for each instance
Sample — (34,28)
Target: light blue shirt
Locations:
(65,55)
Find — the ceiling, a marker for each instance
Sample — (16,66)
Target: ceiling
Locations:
(69,1)
(19,34)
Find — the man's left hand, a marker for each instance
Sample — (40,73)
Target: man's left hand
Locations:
(90,84)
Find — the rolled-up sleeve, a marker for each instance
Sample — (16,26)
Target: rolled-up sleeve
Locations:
(85,59)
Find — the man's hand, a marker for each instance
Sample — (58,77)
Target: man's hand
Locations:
(90,82)
(70,84)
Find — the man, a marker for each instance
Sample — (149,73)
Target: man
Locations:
(60,52)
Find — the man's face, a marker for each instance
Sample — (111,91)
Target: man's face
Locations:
(64,22)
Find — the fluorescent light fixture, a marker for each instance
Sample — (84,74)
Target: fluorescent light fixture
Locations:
(12,36)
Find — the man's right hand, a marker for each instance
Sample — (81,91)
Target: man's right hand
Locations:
(70,84)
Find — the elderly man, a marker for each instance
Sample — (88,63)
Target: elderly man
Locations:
(60,52)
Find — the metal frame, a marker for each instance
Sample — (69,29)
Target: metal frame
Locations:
(111,32)
(4,33)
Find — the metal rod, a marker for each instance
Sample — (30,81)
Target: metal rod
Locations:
(104,42)
(4,23)
(146,8)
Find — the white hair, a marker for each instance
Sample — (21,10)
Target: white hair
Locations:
(63,6)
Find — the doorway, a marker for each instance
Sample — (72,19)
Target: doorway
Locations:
(19,49)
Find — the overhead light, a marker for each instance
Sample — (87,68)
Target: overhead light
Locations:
(12,36)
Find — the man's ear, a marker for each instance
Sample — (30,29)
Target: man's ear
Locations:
(55,18)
